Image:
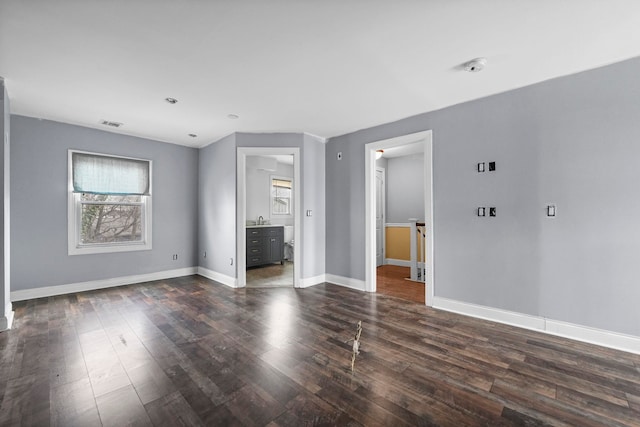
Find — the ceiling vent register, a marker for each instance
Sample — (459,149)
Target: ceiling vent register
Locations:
(111,124)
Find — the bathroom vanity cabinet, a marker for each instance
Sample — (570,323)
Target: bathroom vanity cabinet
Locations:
(265,245)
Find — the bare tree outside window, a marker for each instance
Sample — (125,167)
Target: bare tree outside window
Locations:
(111,219)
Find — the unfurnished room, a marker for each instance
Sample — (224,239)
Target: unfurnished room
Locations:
(320,213)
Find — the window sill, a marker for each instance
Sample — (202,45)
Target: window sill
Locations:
(88,250)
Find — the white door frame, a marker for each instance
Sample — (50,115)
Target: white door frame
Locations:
(384,212)
(370,209)
(241,211)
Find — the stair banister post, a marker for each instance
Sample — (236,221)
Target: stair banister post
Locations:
(414,248)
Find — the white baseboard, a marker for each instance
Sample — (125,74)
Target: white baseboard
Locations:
(347,282)
(232,282)
(312,281)
(401,262)
(587,334)
(48,291)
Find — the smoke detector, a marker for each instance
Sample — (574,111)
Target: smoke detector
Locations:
(475,65)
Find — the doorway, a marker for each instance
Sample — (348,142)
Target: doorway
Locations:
(424,139)
(268,230)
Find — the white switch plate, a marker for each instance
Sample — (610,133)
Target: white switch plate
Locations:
(309,212)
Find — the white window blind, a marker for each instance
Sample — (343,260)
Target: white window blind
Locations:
(98,174)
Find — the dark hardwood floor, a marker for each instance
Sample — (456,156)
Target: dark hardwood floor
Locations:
(189,351)
(392,280)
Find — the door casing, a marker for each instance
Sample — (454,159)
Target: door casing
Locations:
(426,137)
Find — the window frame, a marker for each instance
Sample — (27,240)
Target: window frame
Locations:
(74,215)
(272,197)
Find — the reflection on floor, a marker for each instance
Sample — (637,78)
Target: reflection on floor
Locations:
(272,275)
(392,280)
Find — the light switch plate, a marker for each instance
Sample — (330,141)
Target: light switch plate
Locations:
(481,211)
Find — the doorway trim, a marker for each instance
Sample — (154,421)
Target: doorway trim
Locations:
(384,212)
(370,238)
(241,208)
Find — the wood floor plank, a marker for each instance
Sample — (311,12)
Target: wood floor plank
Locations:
(189,351)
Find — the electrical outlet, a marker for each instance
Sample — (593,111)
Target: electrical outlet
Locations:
(339,155)
(231,261)
(205,254)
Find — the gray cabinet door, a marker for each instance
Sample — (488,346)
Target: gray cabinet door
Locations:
(276,249)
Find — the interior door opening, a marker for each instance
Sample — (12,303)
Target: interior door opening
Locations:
(408,159)
(268,217)
(269,223)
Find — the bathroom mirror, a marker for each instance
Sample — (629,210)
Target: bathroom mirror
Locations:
(281,195)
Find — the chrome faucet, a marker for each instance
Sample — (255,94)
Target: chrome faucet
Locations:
(260,220)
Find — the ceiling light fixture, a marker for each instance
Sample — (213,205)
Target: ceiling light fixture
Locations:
(193,135)
(475,65)
(379,154)
(233,116)
(171,100)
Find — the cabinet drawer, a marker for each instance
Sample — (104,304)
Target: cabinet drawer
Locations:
(254,232)
(254,241)
(253,251)
(274,232)
(254,260)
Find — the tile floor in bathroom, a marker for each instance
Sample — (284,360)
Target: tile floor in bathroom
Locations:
(272,275)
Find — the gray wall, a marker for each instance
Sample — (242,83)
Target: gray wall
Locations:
(218,199)
(405,188)
(312,181)
(217,206)
(39,205)
(5,214)
(572,141)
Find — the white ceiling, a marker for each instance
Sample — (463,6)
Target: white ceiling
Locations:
(322,67)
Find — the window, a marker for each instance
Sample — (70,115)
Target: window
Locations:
(109,203)
(280,196)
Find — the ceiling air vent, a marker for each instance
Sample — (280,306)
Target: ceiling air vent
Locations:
(112,124)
